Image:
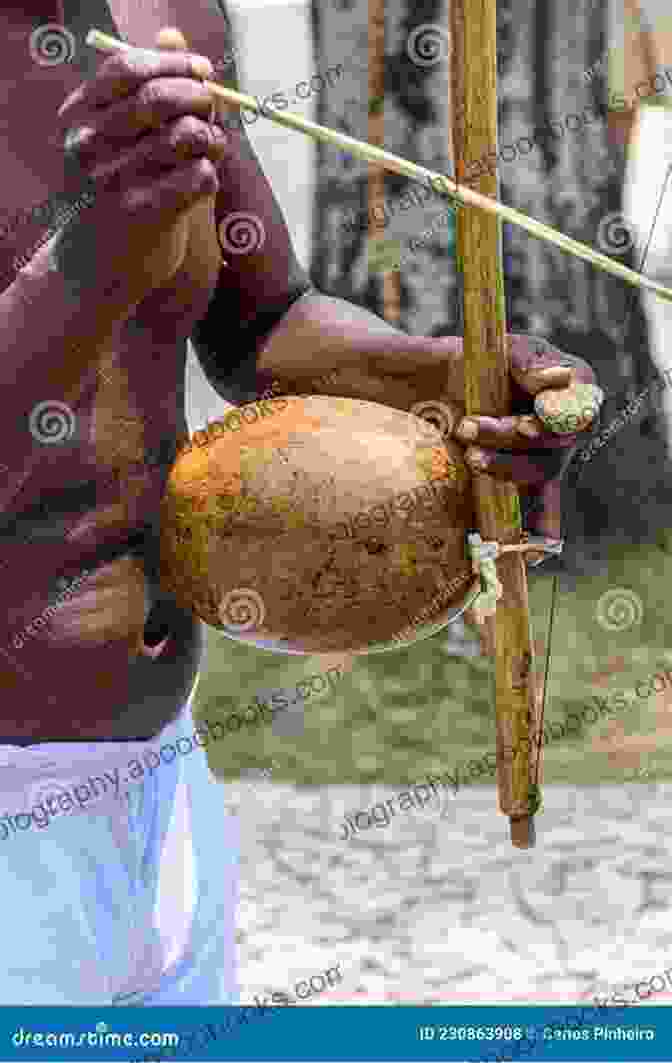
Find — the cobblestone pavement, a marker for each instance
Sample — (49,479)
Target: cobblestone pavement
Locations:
(438,907)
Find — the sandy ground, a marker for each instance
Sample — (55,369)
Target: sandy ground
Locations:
(440,908)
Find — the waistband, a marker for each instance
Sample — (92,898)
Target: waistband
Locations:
(26,765)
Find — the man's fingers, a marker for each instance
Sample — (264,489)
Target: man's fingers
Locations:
(525,470)
(508,433)
(540,378)
(122,123)
(171,39)
(188,138)
(536,364)
(545,517)
(174,193)
(123,73)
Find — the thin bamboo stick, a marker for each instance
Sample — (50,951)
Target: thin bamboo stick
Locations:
(439,183)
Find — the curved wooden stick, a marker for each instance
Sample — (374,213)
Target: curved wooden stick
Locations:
(486,369)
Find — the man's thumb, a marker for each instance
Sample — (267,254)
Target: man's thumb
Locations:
(171,40)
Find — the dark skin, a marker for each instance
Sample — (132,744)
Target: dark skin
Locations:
(95,671)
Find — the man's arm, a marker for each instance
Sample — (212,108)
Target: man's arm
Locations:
(258,274)
(265,321)
(636,50)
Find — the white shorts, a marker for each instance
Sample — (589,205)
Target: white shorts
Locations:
(117,874)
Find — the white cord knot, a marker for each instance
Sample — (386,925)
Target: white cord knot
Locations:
(483,561)
(483,557)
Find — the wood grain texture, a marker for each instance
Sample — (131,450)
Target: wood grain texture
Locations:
(479,251)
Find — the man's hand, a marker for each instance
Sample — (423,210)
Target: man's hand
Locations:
(370,360)
(519,448)
(140,131)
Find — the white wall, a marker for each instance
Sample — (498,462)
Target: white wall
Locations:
(274,39)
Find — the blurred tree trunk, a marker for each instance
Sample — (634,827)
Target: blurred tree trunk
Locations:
(571,179)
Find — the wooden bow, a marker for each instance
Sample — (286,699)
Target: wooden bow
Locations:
(474,110)
(473,26)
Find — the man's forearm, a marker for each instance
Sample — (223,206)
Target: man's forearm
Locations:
(639,56)
(321,333)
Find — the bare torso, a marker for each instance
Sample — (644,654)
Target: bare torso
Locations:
(89,647)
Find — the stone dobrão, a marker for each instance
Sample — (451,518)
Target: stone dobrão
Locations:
(317,524)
